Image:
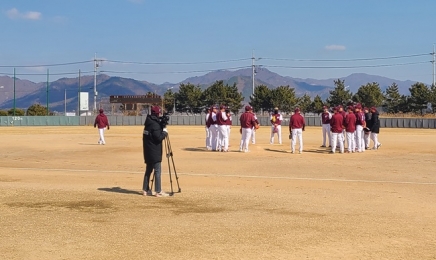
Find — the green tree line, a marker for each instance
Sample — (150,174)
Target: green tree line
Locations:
(192,99)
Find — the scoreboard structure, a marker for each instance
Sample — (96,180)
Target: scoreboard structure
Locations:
(135,102)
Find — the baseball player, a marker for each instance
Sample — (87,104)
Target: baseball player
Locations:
(336,124)
(344,114)
(207,126)
(228,123)
(247,122)
(366,130)
(213,128)
(296,128)
(223,138)
(102,122)
(276,127)
(350,129)
(375,128)
(360,124)
(325,120)
(253,133)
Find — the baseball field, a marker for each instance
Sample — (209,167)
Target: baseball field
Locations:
(63,196)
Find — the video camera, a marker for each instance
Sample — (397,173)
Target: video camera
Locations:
(164,119)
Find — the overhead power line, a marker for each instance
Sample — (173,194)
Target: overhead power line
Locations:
(45,65)
(172,72)
(347,60)
(343,67)
(176,63)
(45,73)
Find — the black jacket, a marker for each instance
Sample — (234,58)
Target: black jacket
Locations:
(368,120)
(375,123)
(152,138)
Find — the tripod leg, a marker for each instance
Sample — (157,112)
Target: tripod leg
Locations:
(169,166)
(170,152)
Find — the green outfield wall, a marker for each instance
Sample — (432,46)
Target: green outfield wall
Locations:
(5,121)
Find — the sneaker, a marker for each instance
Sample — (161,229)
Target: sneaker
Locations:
(300,152)
(378,146)
(147,193)
(161,194)
(322,146)
(374,148)
(331,152)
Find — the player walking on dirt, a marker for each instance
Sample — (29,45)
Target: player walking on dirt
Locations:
(101,122)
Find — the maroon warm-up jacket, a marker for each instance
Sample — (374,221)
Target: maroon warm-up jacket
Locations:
(350,123)
(101,121)
(336,123)
(247,120)
(296,121)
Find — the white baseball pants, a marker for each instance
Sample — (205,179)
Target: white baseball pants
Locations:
(337,138)
(245,139)
(297,134)
(326,132)
(279,134)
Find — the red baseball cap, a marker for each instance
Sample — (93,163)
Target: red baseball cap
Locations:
(297,110)
(325,107)
(248,108)
(155,110)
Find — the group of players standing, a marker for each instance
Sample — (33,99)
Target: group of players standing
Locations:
(356,126)
(218,124)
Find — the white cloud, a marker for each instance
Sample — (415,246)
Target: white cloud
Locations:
(15,14)
(335,47)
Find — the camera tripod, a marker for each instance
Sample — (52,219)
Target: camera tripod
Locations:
(169,154)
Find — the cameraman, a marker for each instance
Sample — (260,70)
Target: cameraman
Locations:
(154,133)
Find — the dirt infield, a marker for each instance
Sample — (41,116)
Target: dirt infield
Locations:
(62,196)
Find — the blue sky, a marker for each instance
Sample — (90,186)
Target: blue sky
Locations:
(192,37)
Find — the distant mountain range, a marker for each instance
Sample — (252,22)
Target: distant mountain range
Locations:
(28,93)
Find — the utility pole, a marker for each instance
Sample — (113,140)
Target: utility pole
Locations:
(78,102)
(253,71)
(47,95)
(14,93)
(65,101)
(434,68)
(96,65)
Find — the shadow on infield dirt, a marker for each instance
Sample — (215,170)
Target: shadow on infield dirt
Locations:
(277,151)
(195,149)
(318,151)
(120,190)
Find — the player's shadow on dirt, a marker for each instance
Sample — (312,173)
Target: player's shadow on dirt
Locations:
(88,144)
(195,149)
(317,151)
(276,151)
(120,190)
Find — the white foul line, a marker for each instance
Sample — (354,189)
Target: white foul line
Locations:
(234,175)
